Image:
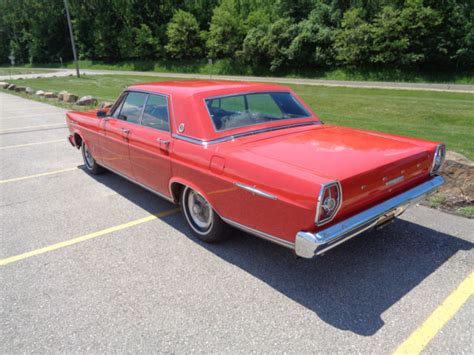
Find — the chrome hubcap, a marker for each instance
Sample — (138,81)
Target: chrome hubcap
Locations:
(199,210)
(89,158)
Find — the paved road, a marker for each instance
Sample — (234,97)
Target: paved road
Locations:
(316,82)
(152,287)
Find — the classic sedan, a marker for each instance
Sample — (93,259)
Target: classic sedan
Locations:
(256,157)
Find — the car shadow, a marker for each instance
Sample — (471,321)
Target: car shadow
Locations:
(351,286)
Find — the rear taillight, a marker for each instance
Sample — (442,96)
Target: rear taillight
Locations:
(438,158)
(329,202)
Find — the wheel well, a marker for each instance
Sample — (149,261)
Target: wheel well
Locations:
(176,191)
(77,140)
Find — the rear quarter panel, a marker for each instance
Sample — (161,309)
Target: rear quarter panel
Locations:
(293,210)
(88,126)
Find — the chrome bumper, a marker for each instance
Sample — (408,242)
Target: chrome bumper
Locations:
(309,244)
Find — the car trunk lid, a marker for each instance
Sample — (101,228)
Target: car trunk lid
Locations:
(370,166)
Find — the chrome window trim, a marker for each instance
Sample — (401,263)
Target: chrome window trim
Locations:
(252,93)
(243,134)
(189,139)
(320,201)
(146,92)
(167,113)
(117,104)
(254,191)
(122,98)
(143,110)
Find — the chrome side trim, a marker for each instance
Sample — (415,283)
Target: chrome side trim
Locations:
(309,244)
(170,199)
(243,134)
(395,181)
(254,191)
(260,234)
(189,139)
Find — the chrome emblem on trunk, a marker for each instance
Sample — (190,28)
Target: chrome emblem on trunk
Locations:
(394,181)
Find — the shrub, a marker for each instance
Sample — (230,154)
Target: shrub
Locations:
(184,40)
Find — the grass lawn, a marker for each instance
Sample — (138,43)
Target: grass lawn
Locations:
(20,70)
(441,116)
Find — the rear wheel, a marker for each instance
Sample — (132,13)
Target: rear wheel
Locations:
(204,222)
(89,161)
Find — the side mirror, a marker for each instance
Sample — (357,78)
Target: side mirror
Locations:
(101,114)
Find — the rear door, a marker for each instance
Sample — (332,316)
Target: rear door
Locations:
(122,124)
(150,149)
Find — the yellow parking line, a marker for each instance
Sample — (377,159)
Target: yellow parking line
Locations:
(30,144)
(83,238)
(20,129)
(38,175)
(418,340)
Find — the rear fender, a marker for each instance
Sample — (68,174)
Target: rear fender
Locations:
(190,184)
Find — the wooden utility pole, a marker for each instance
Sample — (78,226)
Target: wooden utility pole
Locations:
(72,38)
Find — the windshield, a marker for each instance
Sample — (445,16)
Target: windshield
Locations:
(228,112)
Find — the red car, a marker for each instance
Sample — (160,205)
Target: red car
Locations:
(256,157)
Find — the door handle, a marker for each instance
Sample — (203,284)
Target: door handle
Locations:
(125,132)
(164,144)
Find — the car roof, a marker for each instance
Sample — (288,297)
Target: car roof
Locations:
(193,87)
(188,109)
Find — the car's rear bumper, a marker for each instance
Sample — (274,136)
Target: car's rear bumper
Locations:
(309,244)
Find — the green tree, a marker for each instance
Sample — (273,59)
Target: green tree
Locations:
(183,34)
(406,37)
(278,42)
(254,50)
(201,10)
(33,31)
(353,41)
(263,33)
(464,55)
(227,31)
(422,26)
(314,42)
(146,44)
(390,41)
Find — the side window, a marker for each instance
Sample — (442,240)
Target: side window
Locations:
(115,112)
(155,114)
(132,107)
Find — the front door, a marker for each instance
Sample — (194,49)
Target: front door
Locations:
(150,150)
(119,128)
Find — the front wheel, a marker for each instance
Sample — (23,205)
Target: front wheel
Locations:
(201,217)
(89,161)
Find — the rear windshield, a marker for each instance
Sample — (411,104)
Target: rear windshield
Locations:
(228,112)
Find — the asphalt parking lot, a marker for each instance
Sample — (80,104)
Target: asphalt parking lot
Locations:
(98,264)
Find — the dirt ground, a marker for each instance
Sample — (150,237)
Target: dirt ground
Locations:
(457,195)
